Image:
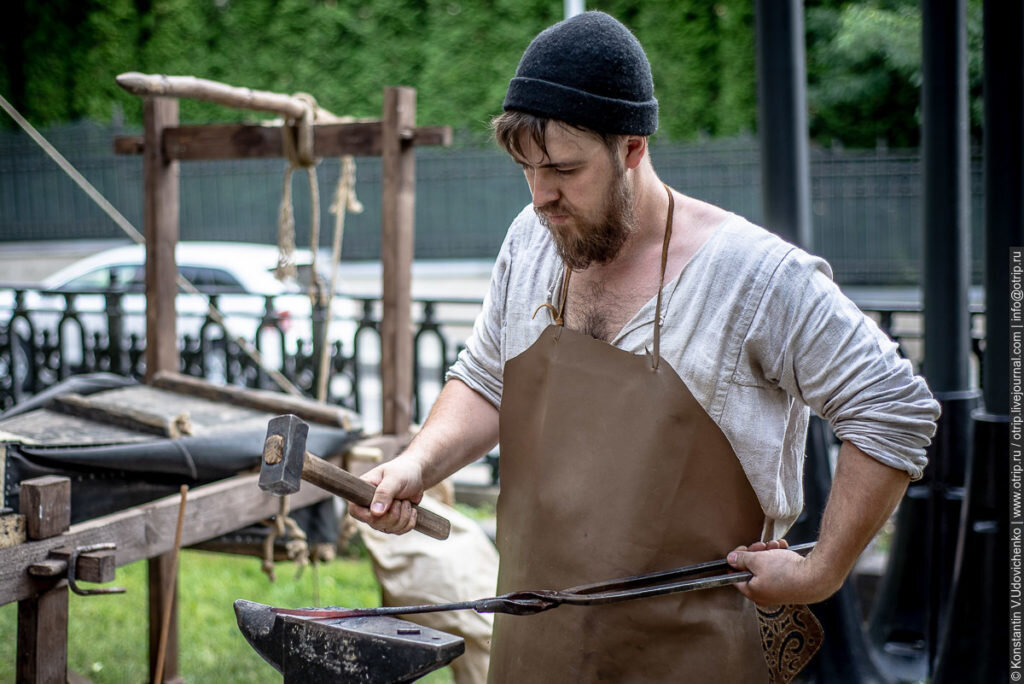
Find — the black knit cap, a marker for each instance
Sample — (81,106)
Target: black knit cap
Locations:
(587,71)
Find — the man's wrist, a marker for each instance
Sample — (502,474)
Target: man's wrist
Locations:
(418,458)
(824,573)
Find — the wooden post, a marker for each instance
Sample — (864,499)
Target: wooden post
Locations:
(161,226)
(43,618)
(161,223)
(43,636)
(160,574)
(398,188)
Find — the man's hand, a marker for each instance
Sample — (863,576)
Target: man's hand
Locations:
(782,576)
(462,427)
(399,484)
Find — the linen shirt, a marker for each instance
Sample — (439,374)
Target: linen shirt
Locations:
(757,330)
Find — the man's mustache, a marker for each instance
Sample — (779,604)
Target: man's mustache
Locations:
(552,209)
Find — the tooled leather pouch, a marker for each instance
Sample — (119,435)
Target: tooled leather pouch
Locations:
(790,636)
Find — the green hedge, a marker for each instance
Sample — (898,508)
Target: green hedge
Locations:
(58,58)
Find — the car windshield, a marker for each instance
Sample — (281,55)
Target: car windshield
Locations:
(132,278)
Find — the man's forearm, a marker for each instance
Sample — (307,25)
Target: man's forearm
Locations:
(864,494)
(462,427)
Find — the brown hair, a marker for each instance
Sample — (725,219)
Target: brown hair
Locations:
(510,126)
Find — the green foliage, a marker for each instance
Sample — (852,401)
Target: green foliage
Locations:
(702,59)
(108,637)
(864,71)
(58,58)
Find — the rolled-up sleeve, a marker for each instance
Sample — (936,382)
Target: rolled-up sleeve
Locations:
(813,342)
(480,365)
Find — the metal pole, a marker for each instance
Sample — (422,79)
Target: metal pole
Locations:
(785,187)
(973,646)
(574,7)
(905,618)
(782,120)
(945,167)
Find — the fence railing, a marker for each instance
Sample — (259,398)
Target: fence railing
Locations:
(46,337)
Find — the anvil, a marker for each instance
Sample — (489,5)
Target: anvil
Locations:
(364,650)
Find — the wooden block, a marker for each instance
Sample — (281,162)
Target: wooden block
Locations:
(46,504)
(92,566)
(51,567)
(12,530)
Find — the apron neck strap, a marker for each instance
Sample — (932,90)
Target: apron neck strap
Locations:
(661,277)
(558,314)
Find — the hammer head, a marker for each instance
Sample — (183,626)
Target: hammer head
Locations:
(283,454)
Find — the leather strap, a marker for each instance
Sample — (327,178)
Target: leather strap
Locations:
(661,280)
(558,315)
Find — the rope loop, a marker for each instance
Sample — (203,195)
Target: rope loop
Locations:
(297,145)
(297,134)
(296,546)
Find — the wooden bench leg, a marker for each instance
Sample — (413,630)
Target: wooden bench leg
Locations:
(43,637)
(159,576)
(43,619)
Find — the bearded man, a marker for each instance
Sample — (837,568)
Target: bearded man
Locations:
(646,362)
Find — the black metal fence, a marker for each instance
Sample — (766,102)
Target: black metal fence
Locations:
(41,346)
(866,204)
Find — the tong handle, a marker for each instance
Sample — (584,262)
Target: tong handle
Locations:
(667,576)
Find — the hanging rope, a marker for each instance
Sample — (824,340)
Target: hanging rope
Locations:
(344,200)
(297,144)
(296,546)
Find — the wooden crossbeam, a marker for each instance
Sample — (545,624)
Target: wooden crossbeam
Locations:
(253,141)
(147,531)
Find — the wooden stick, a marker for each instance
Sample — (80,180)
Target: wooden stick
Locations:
(211,91)
(262,400)
(170,590)
(172,427)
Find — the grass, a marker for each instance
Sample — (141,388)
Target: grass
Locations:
(107,639)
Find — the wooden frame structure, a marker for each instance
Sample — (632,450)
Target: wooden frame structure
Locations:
(216,509)
(393,138)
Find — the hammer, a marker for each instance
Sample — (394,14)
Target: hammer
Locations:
(286,462)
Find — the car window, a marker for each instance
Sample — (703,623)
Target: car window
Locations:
(121,277)
(212,280)
(304,275)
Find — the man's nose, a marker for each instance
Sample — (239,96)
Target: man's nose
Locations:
(545,188)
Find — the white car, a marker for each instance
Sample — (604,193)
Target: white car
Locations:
(239,275)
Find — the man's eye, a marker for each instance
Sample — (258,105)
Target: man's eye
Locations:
(564,172)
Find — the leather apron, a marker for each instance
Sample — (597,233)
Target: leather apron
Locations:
(609,468)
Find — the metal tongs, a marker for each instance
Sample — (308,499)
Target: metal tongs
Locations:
(531,602)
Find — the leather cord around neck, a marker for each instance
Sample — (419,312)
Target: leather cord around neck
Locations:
(559,314)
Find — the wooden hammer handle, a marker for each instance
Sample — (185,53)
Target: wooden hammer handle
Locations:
(351,488)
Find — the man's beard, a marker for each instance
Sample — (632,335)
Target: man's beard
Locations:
(598,241)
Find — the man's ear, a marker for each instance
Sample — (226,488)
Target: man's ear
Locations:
(636,148)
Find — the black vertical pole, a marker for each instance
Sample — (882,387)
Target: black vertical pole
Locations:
(973,644)
(947,347)
(782,120)
(905,618)
(785,187)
